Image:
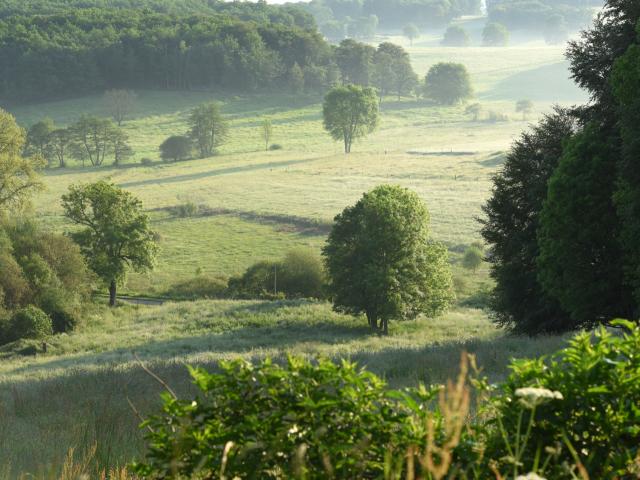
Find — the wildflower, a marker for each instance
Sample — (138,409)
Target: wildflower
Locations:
(530,476)
(532,397)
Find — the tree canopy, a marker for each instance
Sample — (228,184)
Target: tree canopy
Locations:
(115,234)
(350,113)
(382,262)
(448,83)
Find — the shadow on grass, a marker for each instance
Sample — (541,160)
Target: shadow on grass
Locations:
(218,172)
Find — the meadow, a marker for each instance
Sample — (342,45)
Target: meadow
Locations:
(257,205)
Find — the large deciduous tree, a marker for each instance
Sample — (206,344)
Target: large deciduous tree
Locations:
(382,262)
(207,128)
(19,177)
(580,262)
(115,235)
(448,83)
(355,61)
(392,70)
(349,113)
(510,226)
(92,139)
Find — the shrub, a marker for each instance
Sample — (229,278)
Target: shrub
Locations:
(571,415)
(495,35)
(472,258)
(186,210)
(301,274)
(496,117)
(30,322)
(326,420)
(258,281)
(146,161)
(56,304)
(275,146)
(199,287)
(456,36)
(448,83)
(176,148)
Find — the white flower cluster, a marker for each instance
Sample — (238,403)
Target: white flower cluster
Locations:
(530,476)
(531,396)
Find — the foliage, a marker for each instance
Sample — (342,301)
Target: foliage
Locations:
(39,140)
(627,197)
(525,107)
(511,226)
(472,258)
(354,59)
(580,261)
(474,109)
(456,36)
(448,83)
(411,31)
(19,177)
(30,322)
(208,129)
(350,113)
(115,234)
(392,70)
(94,138)
(381,262)
(597,419)
(495,35)
(300,419)
(310,420)
(298,275)
(79,51)
(540,14)
(119,104)
(176,148)
(556,30)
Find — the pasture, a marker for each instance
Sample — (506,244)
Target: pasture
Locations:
(255,205)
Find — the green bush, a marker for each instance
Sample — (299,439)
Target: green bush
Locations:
(199,287)
(186,210)
(258,281)
(321,421)
(60,309)
(578,409)
(301,274)
(598,377)
(275,146)
(30,322)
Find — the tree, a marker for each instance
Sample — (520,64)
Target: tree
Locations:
(92,139)
(456,36)
(556,30)
(472,259)
(355,59)
(581,262)
(411,31)
(525,107)
(475,109)
(495,35)
(116,234)
(511,223)
(120,146)
(176,148)
(392,70)
(19,177)
(625,81)
(119,104)
(267,132)
(39,139)
(381,261)
(61,139)
(207,128)
(349,113)
(363,27)
(448,83)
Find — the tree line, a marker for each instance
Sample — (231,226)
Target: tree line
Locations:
(563,221)
(540,15)
(84,51)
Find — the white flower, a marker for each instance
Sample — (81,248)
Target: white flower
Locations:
(530,476)
(531,396)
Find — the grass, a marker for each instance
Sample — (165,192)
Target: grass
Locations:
(257,205)
(92,372)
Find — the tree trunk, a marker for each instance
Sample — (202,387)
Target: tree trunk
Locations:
(112,293)
(385,326)
(373,322)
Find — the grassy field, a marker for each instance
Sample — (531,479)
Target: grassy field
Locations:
(437,151)
(76,394)
(257,205)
